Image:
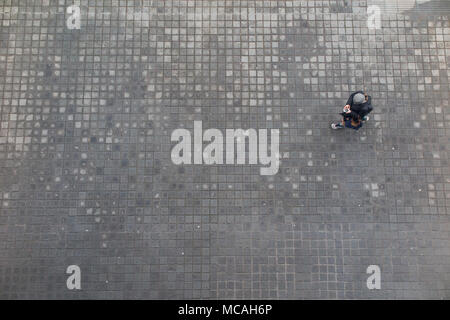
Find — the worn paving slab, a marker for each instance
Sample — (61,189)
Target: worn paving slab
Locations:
(86,176)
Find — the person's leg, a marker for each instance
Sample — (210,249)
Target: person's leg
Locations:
(338,125)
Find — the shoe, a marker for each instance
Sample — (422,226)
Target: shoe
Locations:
(336,126)
(365,118)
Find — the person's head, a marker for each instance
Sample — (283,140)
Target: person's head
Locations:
(359,98)
(355,119)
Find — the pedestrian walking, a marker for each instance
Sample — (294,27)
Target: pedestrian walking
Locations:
(355,112)
(349,120)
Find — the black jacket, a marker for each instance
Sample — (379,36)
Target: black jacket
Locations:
(360,109)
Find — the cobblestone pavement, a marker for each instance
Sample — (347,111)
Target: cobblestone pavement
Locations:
(86,176)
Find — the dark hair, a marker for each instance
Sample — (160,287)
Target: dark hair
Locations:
(351,116)
(355,117)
